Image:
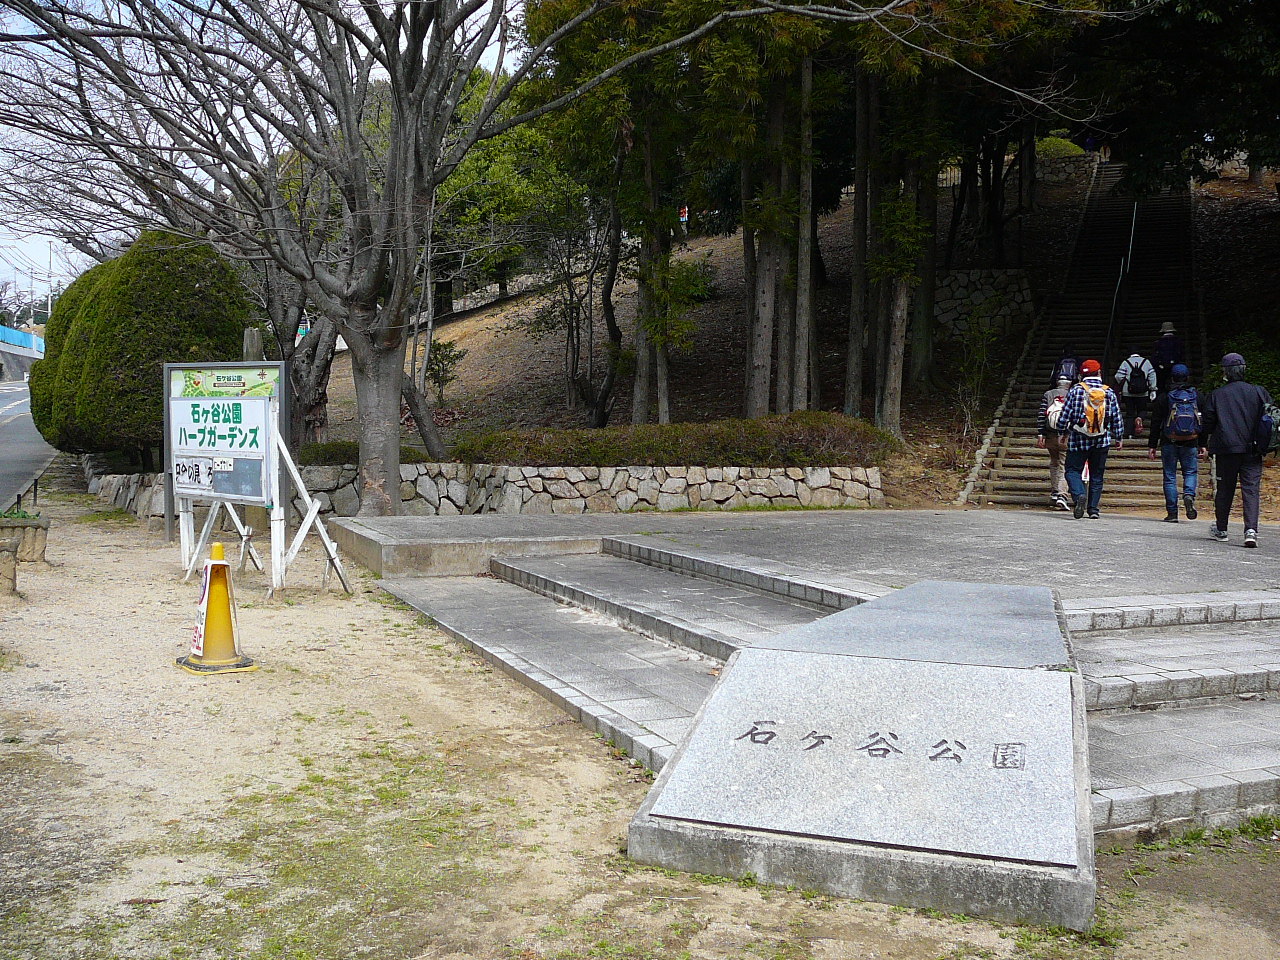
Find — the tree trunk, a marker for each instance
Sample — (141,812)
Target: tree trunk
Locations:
(602,404)
(770,252)
(858,283)
(923,327)
(664,385)
(746,184)
(800,386)
(309,367)
(889,410)
(1256,172)
(378,373)
(877,294)
(420,408)
(786,357)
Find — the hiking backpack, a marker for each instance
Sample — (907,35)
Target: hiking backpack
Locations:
(1139,375)
(1053,413)
(1068,367)
(1266,436)
(1094,422)
(1183,424)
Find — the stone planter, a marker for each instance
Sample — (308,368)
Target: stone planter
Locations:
(8,572)
(32,537)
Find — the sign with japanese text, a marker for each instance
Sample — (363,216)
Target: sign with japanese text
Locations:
(961,758)
(221,422)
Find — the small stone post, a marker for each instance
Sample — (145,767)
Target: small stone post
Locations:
(9,572)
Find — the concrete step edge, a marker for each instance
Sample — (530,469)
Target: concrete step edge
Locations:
(662,627)
(798,586)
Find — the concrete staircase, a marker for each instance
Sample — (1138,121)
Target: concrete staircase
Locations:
(1153,236)
(629,642)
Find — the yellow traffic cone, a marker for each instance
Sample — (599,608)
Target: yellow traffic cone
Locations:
(214,648)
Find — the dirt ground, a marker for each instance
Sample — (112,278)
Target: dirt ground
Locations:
(375,791)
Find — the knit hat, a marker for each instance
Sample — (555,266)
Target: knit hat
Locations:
(1232,360)
(1167,327)
(1180,373)
(1090,367)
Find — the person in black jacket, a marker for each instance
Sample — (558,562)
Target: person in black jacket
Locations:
(1230,424)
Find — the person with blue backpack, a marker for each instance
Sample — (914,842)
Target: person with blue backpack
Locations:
(1175,428)
(1239,429)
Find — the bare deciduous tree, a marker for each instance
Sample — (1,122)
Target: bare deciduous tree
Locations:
(254,120)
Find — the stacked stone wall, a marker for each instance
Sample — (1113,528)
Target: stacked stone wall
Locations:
(453,489)
(970,300)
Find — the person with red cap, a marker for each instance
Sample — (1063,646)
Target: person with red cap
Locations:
(1231,417)
(1092,422)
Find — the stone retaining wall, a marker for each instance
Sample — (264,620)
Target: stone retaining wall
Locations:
(986,299)
(450,489)
(1062,169)
(453,488)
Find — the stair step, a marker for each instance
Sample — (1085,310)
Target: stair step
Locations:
(702,615)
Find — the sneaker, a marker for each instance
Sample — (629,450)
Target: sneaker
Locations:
(1190,503)
(1171,517)
(1251,538)
(1216,534)
(1094,515)
(1060,503)
(1077,511)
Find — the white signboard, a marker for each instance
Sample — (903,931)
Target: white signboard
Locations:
(221,448)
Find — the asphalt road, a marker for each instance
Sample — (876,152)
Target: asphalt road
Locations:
(23,452)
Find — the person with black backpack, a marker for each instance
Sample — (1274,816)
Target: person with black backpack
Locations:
(1235,416)
(1175,428)
(1137,380)
(1068,366)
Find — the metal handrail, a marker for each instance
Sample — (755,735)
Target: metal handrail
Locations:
(1126,262)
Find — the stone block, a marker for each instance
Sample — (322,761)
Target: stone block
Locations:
(587,488)
(900,776)
(1215,793)
(673,501)
(674,485)
(767,488)
(448,508)
(1131,806)
(1257,787)
(512,500)
(1174,800)
(722,491)
(346,502)
(539,503)
(537,484)
(407,491)
(804,493)
(561,489)
(457,492)
(605,477)
(648,491)
(571,505)
(824,497)
(574,475)
(697,475)
(428,491)
(817,477)
(601,502)
(626,500)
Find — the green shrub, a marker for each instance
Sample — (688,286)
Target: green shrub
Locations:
(45,374)
(808,438)
(1055,148)
(337,453)
(78,312)
(166,300)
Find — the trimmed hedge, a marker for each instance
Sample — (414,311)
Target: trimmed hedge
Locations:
(45,374)
(805,439)
(166,300)
(1055,148)
(337,453)
(80,320)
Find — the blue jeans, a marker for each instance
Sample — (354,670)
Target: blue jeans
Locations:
(1171,456)
(1096,457)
